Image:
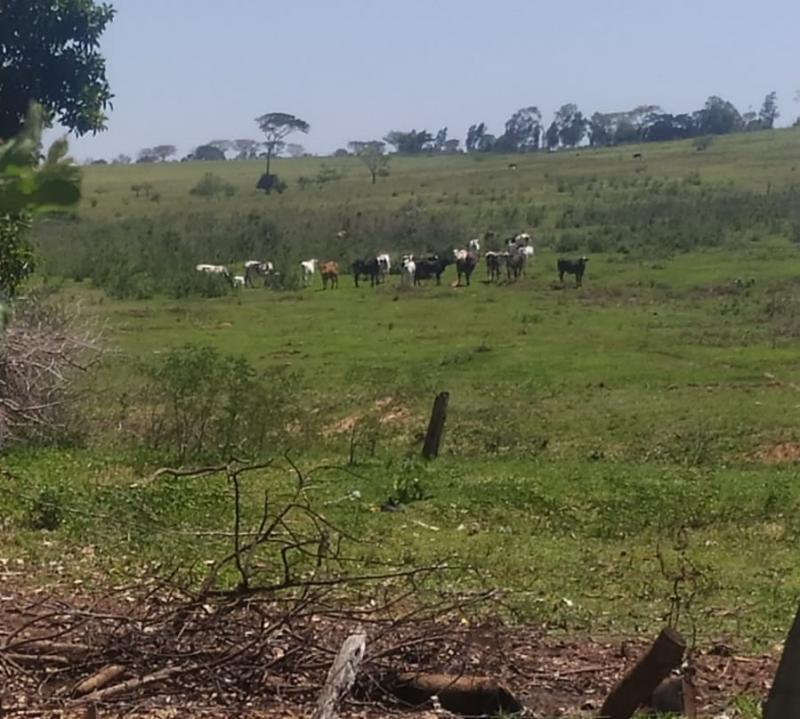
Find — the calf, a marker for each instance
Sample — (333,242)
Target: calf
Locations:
(572,267)
(330,273)
(238,280)
(219,270)
(384,266)
(494,261)
(431,267)
(408,270)
(257,268)
(367,268)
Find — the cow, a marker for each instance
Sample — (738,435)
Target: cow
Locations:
(428,267)
(384,266)
(572,267)
(465,264)
(367,268)
(257,268)
(473,246)
(238,280)
(309,269)
(494,261)
(408,270)
(330,273)
(515,264)
(219,270)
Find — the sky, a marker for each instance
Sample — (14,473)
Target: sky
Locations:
(185,72)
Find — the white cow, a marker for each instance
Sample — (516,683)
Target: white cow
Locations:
(384,265)
(473,246)
(220,270)
(309,268)
(253,268)
(238,280)
(408,271)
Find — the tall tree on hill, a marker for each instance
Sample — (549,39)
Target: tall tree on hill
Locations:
(440,140)
(552,136)
(475,134)
(571,125)
(372,154)
(718,117)
(523,131)
(277,126)
(769,111)
(411,142)
(164,152)
(49,54)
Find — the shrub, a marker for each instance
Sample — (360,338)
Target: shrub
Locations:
(703,143)
(270,183)
(205,405)
(568,243)
(45,511)
(211,185)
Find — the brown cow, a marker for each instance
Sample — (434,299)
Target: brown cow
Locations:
(330,273)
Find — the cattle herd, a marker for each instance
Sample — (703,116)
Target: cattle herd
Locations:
(412,269)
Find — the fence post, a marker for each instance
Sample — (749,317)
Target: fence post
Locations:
(433,438)
(784,697)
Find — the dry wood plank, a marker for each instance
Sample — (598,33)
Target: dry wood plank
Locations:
(341,676)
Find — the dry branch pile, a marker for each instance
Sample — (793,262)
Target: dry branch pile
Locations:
(41,353)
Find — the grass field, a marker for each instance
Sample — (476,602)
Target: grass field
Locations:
(600,440)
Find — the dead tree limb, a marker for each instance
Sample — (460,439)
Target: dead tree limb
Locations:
(100,679)
(341,676)
(638,685)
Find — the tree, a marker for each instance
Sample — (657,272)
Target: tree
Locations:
(440,140)
(146,154)
(295,150)
(208,152)
(601,129)
(224,146)
(552,136)
(372,155)
(49,54)
(411,142)
(162,152)
(246,149)
(769,111)
(26,187)
(474,136)
(571,125)
(121,159)
(451,147)
(523,131)
(276,126)
(718,117)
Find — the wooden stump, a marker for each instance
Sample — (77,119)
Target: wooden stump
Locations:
(433,438)
(638,685)
(783,701)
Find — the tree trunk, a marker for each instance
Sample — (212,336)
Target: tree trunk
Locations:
(638,685)
(783,701)
(433,438)
(269,157)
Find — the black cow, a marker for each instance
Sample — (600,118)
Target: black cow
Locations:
(428,267)
(368,268)
(466,266)
(572,267)
(515,265)
(494,261)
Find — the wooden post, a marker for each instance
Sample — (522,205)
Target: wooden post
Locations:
(341,676)
(433,438)
(638,685)
(783,701)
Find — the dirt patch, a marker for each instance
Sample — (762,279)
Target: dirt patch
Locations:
(781,453)
(386,411)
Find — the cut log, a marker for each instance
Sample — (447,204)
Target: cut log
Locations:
(341,676)
(675,695)
(470,696)
(100,679)
(433,438)
(783,701)
(638,685)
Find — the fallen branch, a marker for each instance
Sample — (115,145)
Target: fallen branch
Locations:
(100,679)
(341,677)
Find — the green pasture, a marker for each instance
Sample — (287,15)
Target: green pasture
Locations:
(652,412)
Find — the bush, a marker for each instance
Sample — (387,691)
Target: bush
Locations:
(203,405)
(703,143)
(45,511)
(190,282)
(211,185)
(270,183)
(568,243)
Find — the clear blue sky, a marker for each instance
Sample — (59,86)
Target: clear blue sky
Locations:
(188,71)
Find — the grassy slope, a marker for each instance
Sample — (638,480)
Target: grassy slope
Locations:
(586,427)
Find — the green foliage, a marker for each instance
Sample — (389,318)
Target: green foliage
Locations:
(270,183)
(51,52)
(26,187)
(205,405)
(46,510)
(211,185)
